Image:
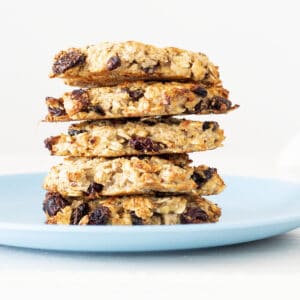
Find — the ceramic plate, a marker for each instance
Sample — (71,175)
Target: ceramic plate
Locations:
(252,208)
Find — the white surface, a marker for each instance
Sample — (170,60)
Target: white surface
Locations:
(256,44)
(264,270)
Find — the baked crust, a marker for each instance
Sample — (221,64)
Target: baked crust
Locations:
(91,178)
(111,138)
(109,64)
(131,210)
(138,99)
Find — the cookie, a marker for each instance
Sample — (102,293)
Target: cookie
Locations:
(111,138)
(108,64)
(94,177)
(130,210)
(138,99)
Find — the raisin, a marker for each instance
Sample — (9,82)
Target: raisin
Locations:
(97,109)
(94,188)
(202,179)
(56,111)
(78,94)
(93,140)
(194,215)
(67,60)
(219,103)
(135,220)
(99,216)
(209,172)
(53,203)
(200,91)
(205,126)
(113,63)
(78,213)
(136,94)
(55,106)
(82,97)
(50,141)
(200,106)
(133,94)
(144,144)
(75,131)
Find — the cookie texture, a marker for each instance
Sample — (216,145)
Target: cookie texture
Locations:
(133,210)
(111,138)
(109,64)
(91,178)
(138,99)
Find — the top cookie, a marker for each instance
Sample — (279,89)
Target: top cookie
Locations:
(108,64)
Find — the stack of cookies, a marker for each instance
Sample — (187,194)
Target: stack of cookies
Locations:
(126,161)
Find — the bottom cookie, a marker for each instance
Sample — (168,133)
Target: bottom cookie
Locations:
(130,210)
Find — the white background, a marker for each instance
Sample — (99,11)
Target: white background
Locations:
(255,43)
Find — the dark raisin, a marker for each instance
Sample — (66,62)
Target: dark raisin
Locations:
(194,215)
(75,131)
(135,220)
(136,94)
(79,94)
(67,60)
(82,97)
(212,124)
(78,213)
(205,125)
(99,216)
(53,203)
(56,111)
(201,179)
(50,141)
(200,106)
(113,63)
(133,94)
(144,144)
(219,103)
(95,188)
(93,140)
(200,91)
(209,172)
(97,109)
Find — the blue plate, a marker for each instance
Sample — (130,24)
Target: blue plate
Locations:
(253,209)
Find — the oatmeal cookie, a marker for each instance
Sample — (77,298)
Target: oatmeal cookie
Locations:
(150,136)
(138,99)
(94,177)
(130,210)
(109,64)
